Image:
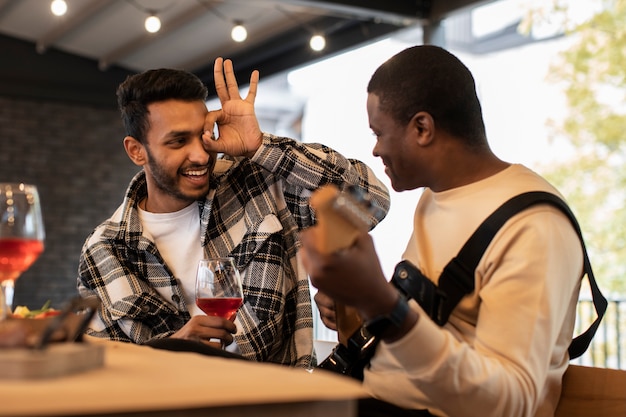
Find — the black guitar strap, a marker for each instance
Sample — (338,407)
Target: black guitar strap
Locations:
(457,278)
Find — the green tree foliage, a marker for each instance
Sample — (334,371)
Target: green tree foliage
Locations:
(592,72)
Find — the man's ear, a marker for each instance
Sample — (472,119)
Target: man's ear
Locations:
(135,151)
(424,126)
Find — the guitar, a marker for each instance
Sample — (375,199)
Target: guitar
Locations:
(341,217)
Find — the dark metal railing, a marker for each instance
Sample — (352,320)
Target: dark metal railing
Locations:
(608,347)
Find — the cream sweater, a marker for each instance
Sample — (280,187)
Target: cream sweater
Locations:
(504,349)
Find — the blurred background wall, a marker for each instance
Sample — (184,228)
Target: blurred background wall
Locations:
(74,154)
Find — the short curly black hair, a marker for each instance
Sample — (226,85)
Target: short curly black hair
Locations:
(139,90)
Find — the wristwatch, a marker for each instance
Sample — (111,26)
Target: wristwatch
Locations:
(379,325)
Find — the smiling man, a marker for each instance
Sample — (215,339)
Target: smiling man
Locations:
(188,203)
(504,348)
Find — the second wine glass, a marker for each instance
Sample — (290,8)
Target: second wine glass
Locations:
(218,287)
(21,236)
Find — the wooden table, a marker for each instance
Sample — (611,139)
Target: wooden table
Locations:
(139,380)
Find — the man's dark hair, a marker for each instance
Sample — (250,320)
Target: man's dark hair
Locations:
(430,79)
(139,90)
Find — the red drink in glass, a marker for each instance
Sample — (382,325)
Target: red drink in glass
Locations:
(17,255)
(222,307)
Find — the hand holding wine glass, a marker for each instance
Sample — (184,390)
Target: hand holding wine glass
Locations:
(21,235)
(218,287)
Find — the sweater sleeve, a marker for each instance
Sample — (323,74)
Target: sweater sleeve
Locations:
(504,350)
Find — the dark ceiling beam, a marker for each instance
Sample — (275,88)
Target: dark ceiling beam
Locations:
(398,12)
(442,9)
(56,76)
(291,50)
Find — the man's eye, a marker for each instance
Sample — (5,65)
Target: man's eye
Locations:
(178,141)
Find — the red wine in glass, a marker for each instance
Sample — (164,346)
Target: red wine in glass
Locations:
(218,287)
(222,307)
(17,255)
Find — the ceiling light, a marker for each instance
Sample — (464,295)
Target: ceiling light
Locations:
(317,42)
(239,32)
(58,7)
(153,24)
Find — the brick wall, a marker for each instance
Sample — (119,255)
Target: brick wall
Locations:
(74,154)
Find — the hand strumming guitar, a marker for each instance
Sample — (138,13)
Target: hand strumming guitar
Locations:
(352,276)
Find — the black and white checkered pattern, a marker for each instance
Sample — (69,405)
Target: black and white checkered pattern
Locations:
(253,213)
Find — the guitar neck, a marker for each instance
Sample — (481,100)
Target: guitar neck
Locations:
(341,218)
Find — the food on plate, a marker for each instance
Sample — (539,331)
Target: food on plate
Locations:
(24,327)
(23,312)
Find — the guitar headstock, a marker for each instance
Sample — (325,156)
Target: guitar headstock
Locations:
(341,216)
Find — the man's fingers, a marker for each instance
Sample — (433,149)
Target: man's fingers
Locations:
(231,81)
(321,299)
(218,76)
(330,323)
(254,83)
(211,120)
(226,83)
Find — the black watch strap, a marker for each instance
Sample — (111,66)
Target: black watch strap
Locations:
(379,325)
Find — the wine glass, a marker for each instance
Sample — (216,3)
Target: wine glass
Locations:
(218,287)
(21,236)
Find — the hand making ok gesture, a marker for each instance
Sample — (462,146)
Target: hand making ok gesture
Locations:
(239,133)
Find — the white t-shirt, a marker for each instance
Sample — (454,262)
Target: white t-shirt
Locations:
(177,236)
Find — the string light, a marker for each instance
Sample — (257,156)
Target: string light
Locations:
(239,32)
(153,23)
(317,42)
(58,7)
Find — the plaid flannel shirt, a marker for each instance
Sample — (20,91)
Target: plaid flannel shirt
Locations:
(253,212)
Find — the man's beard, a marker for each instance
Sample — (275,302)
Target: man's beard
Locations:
(166,183)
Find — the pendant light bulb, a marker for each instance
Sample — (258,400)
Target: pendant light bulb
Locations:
(239,32)
(58,7)
(317,42)
(153,24)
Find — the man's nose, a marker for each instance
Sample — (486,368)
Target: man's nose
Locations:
(198,152)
